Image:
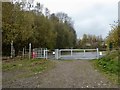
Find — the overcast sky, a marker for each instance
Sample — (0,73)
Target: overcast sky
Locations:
(89,16)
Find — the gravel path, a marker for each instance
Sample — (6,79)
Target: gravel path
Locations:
(66,74)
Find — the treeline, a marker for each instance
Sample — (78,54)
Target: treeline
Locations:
(91,41)
(112,41)
(24,23)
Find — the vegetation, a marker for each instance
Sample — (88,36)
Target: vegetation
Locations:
(26,67)
(91,41)
(110,63)
(113,39)
(24,23)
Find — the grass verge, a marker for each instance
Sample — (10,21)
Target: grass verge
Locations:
(108,65)
(26,68)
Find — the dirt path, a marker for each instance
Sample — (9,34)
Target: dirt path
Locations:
(66,74)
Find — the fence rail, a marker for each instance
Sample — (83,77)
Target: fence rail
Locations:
(77,49)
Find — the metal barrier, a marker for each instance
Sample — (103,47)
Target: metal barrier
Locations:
(40,53)
(77,54)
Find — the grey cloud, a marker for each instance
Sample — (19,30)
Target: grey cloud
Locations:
(95,20)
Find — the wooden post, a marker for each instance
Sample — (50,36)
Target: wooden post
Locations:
(46,53)
(23,52)
(29,50)
(12,49)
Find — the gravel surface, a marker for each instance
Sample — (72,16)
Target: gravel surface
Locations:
(66,74)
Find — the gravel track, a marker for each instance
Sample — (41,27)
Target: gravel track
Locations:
(66,74)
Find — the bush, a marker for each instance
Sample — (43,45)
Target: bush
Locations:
(109,63)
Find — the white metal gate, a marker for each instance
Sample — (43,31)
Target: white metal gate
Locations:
(76,53)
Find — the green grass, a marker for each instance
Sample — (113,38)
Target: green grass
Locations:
(109,66)
(26,68)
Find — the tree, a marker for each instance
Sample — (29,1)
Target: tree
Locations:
(90,41)
(39,8)
(113,36)
(23,26)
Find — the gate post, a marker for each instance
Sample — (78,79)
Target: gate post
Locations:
(59,53)
(56,54)
(97,53)
(44,53)
(84,52)
(71,52)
